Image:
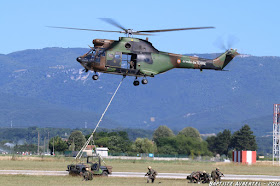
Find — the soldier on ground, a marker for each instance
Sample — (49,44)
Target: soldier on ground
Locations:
(216,175)
(151,174)
(194,177)
(205,177)
(87,175)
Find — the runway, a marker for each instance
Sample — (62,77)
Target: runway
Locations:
(228,177)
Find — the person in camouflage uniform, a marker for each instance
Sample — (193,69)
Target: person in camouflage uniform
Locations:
(87,175)
(216,175)
(151,174)
(194,177)
(205,177)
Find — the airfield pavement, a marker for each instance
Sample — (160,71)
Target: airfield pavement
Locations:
(227,177)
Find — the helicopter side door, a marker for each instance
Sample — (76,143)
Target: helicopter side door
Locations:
(113,59)
(129,60)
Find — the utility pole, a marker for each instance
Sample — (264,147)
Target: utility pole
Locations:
(45,145)
(38,143)
(276,134)
(48,143)
(53,146)
(73,146)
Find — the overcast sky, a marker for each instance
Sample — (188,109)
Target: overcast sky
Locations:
(250,26)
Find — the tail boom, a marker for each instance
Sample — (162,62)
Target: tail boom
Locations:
(218,63)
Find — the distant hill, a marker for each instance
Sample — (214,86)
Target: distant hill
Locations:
(47,88)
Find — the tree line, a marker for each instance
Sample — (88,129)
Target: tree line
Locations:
(187,142)
(163,140)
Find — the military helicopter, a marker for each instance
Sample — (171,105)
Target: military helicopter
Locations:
(136,57)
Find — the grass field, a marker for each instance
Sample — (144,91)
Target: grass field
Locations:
(60,164)
(23,180)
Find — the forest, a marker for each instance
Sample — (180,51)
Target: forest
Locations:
(162,141)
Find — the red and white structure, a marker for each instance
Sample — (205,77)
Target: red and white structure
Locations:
(244,156)
(276,133)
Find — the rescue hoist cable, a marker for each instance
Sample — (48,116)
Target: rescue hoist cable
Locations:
(79,155)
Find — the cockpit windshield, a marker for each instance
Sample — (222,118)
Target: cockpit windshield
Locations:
(100,52)
(90,54)
(94,54)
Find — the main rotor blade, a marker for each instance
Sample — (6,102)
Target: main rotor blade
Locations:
(85,29)
(176,29)
(137,33)
(113,22)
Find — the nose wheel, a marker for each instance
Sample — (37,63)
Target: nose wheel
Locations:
(95,77)
(144,81)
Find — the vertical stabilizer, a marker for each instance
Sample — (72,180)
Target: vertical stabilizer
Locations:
(224,59)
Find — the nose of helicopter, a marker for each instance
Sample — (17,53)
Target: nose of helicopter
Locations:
(79,59)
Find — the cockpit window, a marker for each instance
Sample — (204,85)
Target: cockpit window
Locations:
(100,52)
(94,54)
(92,51)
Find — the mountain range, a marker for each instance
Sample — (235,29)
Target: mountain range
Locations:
(47,88)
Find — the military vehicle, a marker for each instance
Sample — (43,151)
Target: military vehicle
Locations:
(96,168)
(130,56)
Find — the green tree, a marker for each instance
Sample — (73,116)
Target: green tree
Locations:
(190,132)
(167,145)
(102,142)
(191,146)
(115,141)
(144,145)
(211,143)
(118,144)
(59,144)
(181,144)
(244,139)
(162,132)
(76,139)
(220,144)
(223,141)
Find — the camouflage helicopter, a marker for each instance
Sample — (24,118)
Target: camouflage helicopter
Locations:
(136,57)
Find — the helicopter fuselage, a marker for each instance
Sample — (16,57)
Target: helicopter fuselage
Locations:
(137,57)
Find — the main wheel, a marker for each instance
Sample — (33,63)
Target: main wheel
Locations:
(104,173)
(136,83)
(95,77)
(144,81)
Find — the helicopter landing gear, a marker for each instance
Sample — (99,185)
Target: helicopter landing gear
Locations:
(95,77)
(144,81)
(136,82)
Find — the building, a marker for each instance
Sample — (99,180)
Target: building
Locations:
(244,157)
(102,151)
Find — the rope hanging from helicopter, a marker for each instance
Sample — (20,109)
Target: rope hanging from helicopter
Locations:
(80,153)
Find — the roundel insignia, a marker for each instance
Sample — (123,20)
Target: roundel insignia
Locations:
(178,61)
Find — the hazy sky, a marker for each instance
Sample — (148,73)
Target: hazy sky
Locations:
(251,26)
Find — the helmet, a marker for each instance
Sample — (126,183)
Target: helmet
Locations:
(204,171)
(217,168)
(149,167)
